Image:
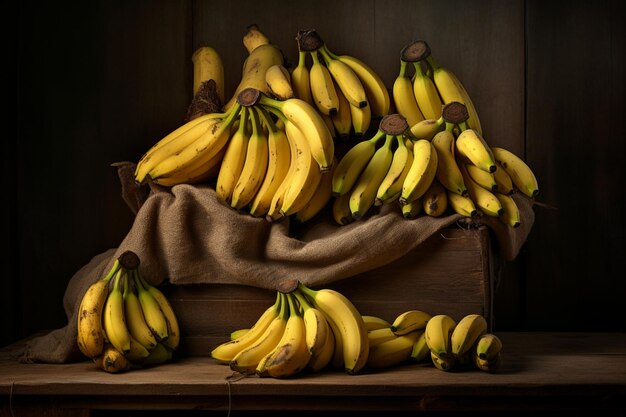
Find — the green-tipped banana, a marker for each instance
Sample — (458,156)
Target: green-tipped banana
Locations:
(352,164)
(488,346)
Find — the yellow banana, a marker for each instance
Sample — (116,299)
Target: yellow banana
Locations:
(319,200)
(522,176)
(346,79)
(448,172)
(420,350)
(451,89)
(226,351)
(363,193)
(412,209)
(377,94)
(237,333)
(315,324)
(352,164)
(173,327)
(435,200)
(151,310)
(422,172)
(160,354)
(234,159)
(197,172)
(262,55)
(467,332)
(301,80)
(361,118)
(484,199)
(488,346)
(137,351)
(391,185)
(310,122)
(409,321)
(278,82)
(426,94)
(341,209)
(345,317)
(511,215)
(322,87)
(112,360)
(342,121)
(486,365)
(279,160)
(113,320)
(404,97)
(503,180)
(323,356)
(90,337)
(374,322)
(443,363)
(462,204)
(472,148)
(135,320)
(428,128)
(379,336)
(291,354)
(208,65)
(255,166)
(438,332)
(392,352)
(485,179)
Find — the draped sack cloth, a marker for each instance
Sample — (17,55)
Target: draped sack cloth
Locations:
(185,235)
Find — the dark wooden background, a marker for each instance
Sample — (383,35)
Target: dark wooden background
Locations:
(98,82)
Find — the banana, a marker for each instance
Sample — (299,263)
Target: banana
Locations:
(379,336)
(486,365)
(391,185)
(342,121)
(197,172)
(234,159)
(412,209)
(346,79)
(278,82)
(435,200)
(428,128)
(160,354)
(462,205)
(155,318)
(361,118)
(443,363)
(113,318)
(322,87)
(488,346)
(451,89)
(112,360)
(135,320)
(291,355)
(306,174)
(376,92)
(404,98)
(472,148)
(255,166)
(262,54)
(410,321)
(247,360)
(301,80)
(323,356)
(420,351)
(521,174)
(310,122)
(315,324)
(426,94)
(90,337)
(173,327)
(511,215)
(320,199)
(208,65)
(345,317)
(202,148)
(503,180)
(279,160)
(448,172)
(352,164)
(175,142)
(363,193)
(484,199)
(337,360)
(238,333)
(392,352)
(438,331)
(466,332)
(341,210)
(137,351)
(485,179)
(422,172)
(226,351)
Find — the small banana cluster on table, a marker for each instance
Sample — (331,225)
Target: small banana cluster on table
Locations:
(124,322)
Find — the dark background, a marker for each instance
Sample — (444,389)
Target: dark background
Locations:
(98,82)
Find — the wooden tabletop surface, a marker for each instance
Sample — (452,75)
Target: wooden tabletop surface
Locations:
(539,370)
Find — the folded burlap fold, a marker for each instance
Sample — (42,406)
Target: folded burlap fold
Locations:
(185,235)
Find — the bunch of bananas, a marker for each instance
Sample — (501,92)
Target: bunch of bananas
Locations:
(124,322)
(305,330)
(451,167)
(346,91)
(417,337)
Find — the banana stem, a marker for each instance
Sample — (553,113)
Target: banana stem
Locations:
(254,120)
(433,63)
(379,134)
(450,126)
(327,58)
(118,277)
(308,292)
(463,126)
(316,58)
(266,119)
(329,52)
(116,266)
(275,111)
(126,278)
(292,308)
(301,58)
(403,64)
(304,303)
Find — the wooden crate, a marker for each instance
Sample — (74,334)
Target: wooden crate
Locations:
(450,273)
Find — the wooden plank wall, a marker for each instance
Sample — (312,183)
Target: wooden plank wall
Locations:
(98,82)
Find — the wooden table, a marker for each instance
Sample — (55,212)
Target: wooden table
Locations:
(540,372)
